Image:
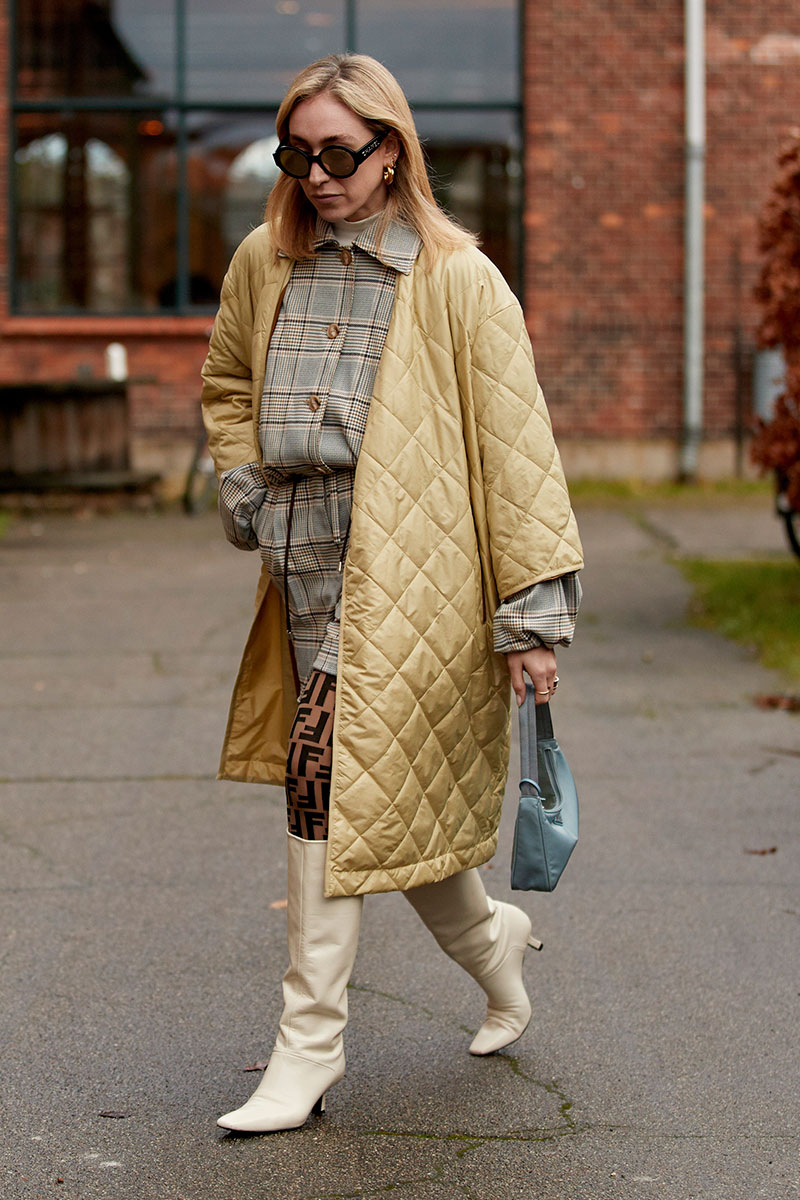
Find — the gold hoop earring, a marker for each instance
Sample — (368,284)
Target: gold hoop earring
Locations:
(388,174)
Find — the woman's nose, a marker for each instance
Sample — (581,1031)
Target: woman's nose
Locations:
(316,174)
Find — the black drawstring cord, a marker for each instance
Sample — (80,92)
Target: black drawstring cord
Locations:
(345,543)
(286,561)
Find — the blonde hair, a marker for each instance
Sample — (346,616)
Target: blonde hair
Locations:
(371,92)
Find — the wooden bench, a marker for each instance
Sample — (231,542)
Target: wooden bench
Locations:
(72,436)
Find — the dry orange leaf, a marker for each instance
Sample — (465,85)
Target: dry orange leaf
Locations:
(787,703)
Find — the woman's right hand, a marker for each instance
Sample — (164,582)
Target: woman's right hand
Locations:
(539,665)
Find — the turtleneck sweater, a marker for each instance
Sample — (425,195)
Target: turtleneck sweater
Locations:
(346,232)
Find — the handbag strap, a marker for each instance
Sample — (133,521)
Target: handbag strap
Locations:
(544,721)
(535,721)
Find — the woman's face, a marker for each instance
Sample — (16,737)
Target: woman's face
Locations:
(321,121)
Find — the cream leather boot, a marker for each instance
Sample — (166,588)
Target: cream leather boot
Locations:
(309,1056)
(487,938)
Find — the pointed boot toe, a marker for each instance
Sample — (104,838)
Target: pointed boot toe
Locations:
(501,1028)
(291,1089)
(509,1010)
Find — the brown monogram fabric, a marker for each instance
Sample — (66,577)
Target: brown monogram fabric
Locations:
(308,766)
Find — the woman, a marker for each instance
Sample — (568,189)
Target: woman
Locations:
(380,437)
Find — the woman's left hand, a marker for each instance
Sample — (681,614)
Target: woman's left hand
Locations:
(540,665)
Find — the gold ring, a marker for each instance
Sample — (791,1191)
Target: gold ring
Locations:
(555,684)
(538,693)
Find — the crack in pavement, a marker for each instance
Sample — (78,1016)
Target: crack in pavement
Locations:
(790,751)
(11,938)
(381,1189)
(569,1126)
(456,1189)
(648,526)
(465,1141)
(9,839)
(689,1136)
(46,887)
(473,1141)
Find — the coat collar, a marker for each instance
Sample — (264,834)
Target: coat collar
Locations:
(398,248)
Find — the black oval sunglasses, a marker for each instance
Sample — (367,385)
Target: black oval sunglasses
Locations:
(339,161)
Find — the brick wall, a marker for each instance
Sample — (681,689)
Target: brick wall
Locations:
(604,219)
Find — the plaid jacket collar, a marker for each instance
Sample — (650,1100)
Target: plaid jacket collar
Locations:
(399,246)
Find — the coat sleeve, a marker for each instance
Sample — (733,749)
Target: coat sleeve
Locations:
(532,530)
(541,615)
(227,373)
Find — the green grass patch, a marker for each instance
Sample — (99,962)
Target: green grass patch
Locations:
(757,603)
(625,492)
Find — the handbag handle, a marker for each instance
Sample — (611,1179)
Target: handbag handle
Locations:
(535,721)
(527,743)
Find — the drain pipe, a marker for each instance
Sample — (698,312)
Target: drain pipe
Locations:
(694,237)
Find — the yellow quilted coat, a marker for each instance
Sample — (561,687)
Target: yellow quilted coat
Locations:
(459,501)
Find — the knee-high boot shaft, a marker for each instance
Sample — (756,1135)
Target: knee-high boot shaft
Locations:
(323,939)
(309,1055)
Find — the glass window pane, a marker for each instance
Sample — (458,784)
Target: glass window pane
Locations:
(251,50)
(95,211)
(476,172)
(231,172)
(84,48)
(449,51)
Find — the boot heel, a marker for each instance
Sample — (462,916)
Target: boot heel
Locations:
(319,1107)
(535,944)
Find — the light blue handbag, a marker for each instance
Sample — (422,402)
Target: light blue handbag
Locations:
(546,829)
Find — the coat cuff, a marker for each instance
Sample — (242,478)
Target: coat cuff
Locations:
(543,614)
(242,491)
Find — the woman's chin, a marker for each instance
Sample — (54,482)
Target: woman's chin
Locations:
(339,208)
(332,208)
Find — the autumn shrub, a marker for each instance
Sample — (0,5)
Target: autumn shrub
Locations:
(776,446)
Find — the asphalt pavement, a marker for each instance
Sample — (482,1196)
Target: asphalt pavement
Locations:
(143,928)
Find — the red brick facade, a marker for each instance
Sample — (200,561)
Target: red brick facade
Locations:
(604,212)
(603,234)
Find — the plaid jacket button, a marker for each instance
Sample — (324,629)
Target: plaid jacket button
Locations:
(313,403)
(346,257)
(333,331)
